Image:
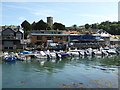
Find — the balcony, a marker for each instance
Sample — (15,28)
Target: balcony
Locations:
(9,38)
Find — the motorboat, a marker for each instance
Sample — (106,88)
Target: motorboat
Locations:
(42,54)
(98,52)
(63,54)
(111,51)
(74,52)
(25,52)
(9,58)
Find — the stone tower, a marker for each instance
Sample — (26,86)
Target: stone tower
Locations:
(50,21)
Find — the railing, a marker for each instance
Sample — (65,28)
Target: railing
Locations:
(10,38)
(86,43)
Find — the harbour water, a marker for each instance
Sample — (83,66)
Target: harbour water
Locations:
(75,72)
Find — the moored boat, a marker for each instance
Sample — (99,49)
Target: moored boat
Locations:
(9,58)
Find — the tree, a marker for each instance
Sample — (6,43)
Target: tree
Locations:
(58,26)
(33,25)
(75,26)
(87,26)
(41,25)
(49,27)
(94,26)
(118,22)
(26,27)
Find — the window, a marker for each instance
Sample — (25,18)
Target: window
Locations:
(38,43)
(59,38)
(10,47)
(49,38)
(39,37)
(42,32)
(5,47)
(18,36)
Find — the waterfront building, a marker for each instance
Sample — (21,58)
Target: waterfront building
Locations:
(115,40)
(85,40)
(62,39)
(48,39)
(12,37)
(71,32)
(104,35)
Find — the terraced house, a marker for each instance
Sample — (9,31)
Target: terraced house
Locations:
(12,37)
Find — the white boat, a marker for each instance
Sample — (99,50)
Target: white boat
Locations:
(5,53)
(53,55)
(41,55)
(87,53)
(21,57)
(82,52)
(98,52)
(111,51)
(74,52)
(90,51)
(104,52)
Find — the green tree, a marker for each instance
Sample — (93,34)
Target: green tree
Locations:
(94,26)
(26,27)
(49,27)
(33,25)
(41,25)
(87,26)
(58,26)
(75,26)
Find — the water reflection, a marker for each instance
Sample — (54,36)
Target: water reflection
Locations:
(77,72)
(106,61)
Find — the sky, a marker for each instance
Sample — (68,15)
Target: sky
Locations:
(67,13)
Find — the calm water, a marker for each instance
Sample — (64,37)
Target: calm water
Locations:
(77,72)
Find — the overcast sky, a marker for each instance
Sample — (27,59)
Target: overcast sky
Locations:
(68,13)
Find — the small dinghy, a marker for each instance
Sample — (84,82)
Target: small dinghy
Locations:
(10,58)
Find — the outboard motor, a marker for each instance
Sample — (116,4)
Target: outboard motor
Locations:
(103,54)
(85,54)
(117,52)
(79,53)
(60,56)
(57,55)
(93,53)
(48,56)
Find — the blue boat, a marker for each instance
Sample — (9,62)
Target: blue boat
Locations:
(26,52)
(63,54)
(10,58)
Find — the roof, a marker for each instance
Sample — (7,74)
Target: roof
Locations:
(15,29)
(112,39)
(72,32)
(46,31)
(49,34)
(105,35)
